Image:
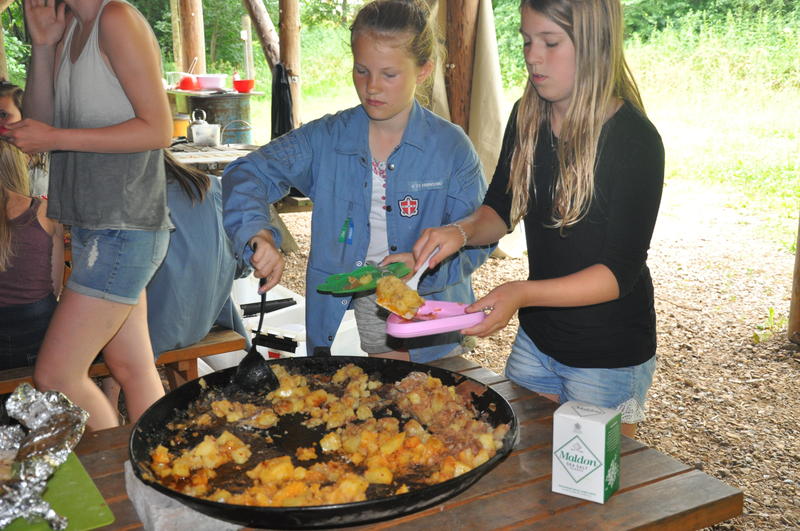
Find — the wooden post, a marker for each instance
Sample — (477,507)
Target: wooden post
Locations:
(265,30)
(290,51)
(462,18)
(177,44)
(794,306)
(192,35)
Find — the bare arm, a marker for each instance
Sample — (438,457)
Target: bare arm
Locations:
(46,25)
(56,230)
(592,285)
(482,227)
(133,54)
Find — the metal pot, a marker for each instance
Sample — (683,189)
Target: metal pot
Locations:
(151,430)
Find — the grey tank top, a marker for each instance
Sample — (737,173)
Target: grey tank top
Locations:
(101,190)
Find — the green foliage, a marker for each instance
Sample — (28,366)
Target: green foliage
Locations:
(773,324)
(646,17)
(328,13)
(733,53)
(326,60)
(16,52)
(509,42)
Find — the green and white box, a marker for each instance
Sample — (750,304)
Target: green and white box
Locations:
(586,442)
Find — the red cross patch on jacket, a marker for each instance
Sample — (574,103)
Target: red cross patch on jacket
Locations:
(408,206)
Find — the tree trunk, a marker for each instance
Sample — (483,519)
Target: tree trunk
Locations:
(290,51)
(247,33)
(462,17)
(212,46)
(794,307)
(177,44)
(192,35)
(265,30)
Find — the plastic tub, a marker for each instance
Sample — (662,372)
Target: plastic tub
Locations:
(211,81)
(244,85)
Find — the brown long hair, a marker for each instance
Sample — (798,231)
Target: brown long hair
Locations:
(193,181)
(601,75)
(13,178)
(395,18)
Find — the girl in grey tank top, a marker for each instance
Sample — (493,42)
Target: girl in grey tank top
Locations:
(94,98)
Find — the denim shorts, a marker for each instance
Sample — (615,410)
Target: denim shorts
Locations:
(623,388)
(114,264)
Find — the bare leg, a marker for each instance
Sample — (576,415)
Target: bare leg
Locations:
(111,389)
(129,356)
(81,326)
(553,398)
(393,355)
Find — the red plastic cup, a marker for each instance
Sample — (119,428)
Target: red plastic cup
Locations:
(244,85)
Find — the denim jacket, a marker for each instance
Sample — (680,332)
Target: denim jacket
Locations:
(434,178)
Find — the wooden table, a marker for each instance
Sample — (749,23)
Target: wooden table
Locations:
(211,159)
(656,491)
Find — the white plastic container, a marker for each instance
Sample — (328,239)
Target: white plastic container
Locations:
(211,81)
(205,134)
(586,442)
(290,322)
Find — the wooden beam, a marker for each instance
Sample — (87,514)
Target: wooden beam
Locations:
(462,18)
(193,35)
(290,51)
(4,4)
(794,306)
(265,30)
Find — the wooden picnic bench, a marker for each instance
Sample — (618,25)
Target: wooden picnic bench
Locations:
(180,364)
(656,491)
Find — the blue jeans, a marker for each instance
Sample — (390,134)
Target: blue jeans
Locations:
(22,329)
(622,388)
(114,264)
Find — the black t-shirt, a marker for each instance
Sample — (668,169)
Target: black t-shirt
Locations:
(616,232)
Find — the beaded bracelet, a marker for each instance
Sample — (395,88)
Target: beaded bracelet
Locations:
(461,230)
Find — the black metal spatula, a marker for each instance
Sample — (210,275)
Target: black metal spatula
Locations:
(254,373)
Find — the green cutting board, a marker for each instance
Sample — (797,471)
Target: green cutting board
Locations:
(71,493)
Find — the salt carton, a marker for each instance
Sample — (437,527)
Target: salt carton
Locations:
(586,442)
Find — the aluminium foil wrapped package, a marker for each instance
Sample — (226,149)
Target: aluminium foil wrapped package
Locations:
(50,426)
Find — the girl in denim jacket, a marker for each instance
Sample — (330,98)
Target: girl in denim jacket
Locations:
(378,174)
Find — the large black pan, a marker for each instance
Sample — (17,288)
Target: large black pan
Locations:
(151,430)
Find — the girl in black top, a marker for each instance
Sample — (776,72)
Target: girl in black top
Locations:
(584,168)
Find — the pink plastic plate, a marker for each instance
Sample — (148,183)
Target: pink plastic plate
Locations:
(434,317)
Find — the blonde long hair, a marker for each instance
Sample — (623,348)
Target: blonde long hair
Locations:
(13,178)
(601,74)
